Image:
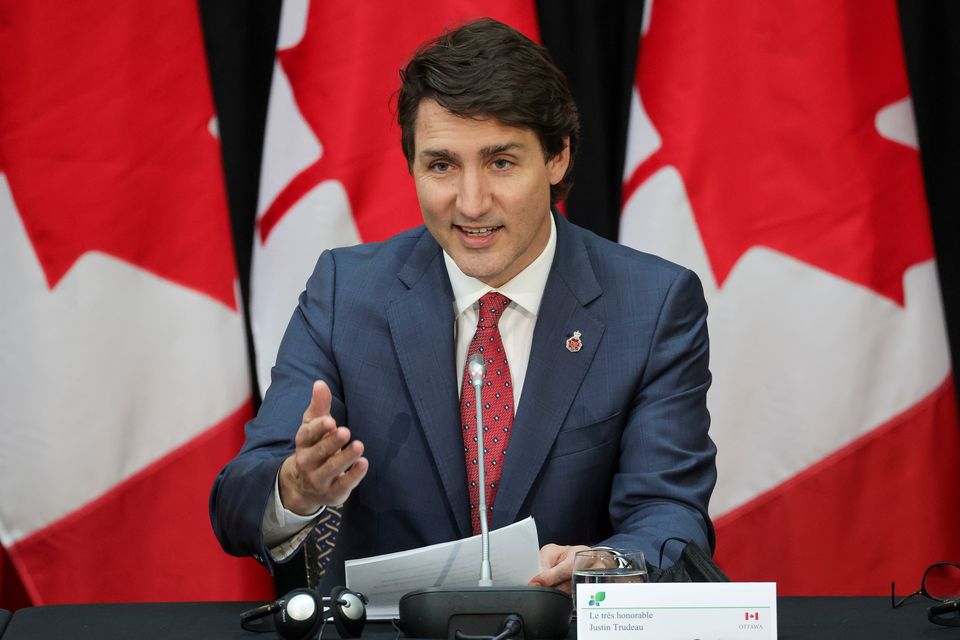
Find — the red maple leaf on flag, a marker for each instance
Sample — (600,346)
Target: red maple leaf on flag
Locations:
(100,153)
(767,109)
(344,75)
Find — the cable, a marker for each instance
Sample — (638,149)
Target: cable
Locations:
(512,627)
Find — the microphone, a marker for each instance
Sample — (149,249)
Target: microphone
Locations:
(478,369)
(505,612)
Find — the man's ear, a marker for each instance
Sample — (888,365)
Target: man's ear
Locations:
(557,165)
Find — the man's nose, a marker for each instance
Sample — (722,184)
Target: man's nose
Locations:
(474,198)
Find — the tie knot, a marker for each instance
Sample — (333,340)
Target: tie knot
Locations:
(491,306)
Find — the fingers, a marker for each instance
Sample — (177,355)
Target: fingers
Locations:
(551,565)
(321,436)
(347,480)
(557,564)
(325,466)
(550,555)
(309,480)
(320,401)
(323,463)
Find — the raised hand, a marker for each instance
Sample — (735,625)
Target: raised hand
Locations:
(326,466)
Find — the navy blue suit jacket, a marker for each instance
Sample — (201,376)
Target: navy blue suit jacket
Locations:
(609,445)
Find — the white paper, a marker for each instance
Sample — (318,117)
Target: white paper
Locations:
(514,559)
(677,611)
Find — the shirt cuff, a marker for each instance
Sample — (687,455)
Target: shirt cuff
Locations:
(283,530)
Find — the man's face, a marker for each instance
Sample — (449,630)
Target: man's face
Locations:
(484,191)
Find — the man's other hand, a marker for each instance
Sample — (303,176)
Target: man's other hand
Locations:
(556,566)
(326,466)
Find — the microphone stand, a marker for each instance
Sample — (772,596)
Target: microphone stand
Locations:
(484,611)
(478,369)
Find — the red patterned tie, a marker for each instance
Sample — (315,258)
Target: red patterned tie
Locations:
(497,395)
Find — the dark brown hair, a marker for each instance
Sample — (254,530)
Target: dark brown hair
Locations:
(486,69)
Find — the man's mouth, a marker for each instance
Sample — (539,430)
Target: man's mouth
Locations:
(479,232)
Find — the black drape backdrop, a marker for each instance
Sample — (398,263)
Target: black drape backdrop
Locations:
(596,45)
(931,36)
(241,37)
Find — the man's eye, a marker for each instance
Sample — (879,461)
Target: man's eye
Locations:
(442,167)
(500,163)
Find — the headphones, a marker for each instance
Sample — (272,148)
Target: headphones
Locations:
(301,614)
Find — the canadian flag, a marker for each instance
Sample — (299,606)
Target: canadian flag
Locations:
(123,369)
(772,150)
(333,173)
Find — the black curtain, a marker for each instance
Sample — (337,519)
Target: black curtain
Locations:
(240,38)
(931,38)
(595,44)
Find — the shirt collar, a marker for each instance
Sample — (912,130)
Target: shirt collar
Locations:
(525,289)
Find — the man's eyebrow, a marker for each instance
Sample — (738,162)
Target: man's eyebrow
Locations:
(485,152)
(439,154)
(496,149)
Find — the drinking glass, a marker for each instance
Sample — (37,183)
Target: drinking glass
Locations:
(607,566)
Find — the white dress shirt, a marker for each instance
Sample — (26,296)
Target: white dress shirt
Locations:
(284,530)
(516,325)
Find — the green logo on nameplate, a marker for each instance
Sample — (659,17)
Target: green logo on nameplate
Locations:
(595,600)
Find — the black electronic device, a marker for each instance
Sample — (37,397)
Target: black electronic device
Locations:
(482,611)
(300,614)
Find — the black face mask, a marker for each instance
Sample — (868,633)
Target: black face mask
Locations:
(694,565)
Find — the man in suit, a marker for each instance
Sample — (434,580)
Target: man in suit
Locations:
(595,390)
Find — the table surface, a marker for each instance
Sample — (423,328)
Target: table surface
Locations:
(799,618)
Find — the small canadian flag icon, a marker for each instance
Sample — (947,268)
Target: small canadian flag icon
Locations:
(748,615)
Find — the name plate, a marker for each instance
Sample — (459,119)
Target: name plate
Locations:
(677,611)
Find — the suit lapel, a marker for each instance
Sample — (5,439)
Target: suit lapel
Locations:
(554,373)
(421,324)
